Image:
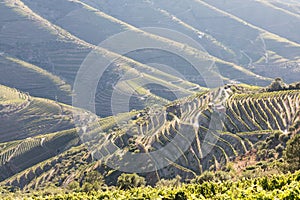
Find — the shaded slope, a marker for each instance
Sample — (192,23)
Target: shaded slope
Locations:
(32,130)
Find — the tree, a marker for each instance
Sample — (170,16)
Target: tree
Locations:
(292,153)
(128,181)
(74,186)
(277,85)
(92,180)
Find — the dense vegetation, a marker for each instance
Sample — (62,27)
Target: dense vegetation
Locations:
(279,85)
(280,186)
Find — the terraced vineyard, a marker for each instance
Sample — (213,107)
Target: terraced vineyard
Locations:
(34,151)
(169,100)
(36,117)
(62,47)
(206,131)
(219,125)
(32,130)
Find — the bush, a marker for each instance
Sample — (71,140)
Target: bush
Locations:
(74,186)
(92,181)
(292,153)
(180,196)
(204,177)
(222,176)
(175,182)
(128,181)
(277,85)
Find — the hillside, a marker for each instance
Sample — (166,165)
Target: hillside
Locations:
(27,124)
(112,98)
(114,26)
(246,41)
(62,54)
(217,127)
(218,130)
(32,79)
(61,47)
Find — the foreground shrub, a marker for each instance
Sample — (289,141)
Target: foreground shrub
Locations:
(128,181)
(175,182)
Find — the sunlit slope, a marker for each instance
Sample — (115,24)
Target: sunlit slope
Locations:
(39,42)
(226,65)
(113,25)
(152,16)
(22,154)
(247,115)
(80,20)
(248,41)
(51,170)
(23,116)
(57,51)
(32,79)
(32,130)
(245,120)
(57,157)
(264,15)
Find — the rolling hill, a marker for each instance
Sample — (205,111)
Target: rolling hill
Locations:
(176,87)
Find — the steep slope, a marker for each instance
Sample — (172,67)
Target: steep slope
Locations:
(47,46)
(292,6)
(57,51)
(48,41)
(218,130)
(31,117)
(26,126)
(155,16)
(248,41)
(32,79)
(217,126)
(278,21)
(71,16)
(113,25)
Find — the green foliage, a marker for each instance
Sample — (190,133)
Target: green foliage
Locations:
(279,85)
(292,153)
(93,177)
(204,177)
(175,182)
(272,147)
(92,181)
(222,176)
(283,186)
(74,186)
(128,181)
(276,85)
(208,176)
